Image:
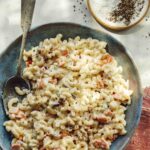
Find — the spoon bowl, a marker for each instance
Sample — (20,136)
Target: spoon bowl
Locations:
(9,89)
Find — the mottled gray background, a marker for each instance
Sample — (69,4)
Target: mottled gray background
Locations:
(136,40)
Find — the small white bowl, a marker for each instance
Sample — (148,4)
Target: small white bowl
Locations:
(101,13)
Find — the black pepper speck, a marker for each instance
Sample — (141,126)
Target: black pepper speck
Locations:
(126,10)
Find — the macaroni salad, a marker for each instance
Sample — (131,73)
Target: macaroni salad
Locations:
(77,101)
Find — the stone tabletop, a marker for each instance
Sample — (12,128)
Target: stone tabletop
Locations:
(136,40)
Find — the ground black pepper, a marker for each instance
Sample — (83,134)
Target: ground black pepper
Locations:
(79,6)
(126,10)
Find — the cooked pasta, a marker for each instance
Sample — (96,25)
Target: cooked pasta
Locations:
(77,101)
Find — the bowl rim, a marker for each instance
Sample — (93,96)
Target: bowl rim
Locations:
(140,99)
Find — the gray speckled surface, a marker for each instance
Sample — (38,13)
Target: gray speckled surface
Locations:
(47,11)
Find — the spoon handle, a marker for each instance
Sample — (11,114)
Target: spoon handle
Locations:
(27,8)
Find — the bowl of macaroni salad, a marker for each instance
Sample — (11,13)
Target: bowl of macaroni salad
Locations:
(80,99)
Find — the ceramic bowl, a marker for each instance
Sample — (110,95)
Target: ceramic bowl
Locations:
(8,61)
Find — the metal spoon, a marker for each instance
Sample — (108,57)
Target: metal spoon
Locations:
(27,8)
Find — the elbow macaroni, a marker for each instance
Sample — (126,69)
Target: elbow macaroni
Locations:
(77,97)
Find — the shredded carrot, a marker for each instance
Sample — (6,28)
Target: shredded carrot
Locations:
(29,62)
(108,112)
(64,53)
(53,81)
(41,84)
(100,84)
(100,143)
(102,119)
(64,133)
(113,137)
(15,147)
(21,137)
(107,59)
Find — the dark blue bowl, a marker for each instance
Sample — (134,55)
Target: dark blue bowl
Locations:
(8,61)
